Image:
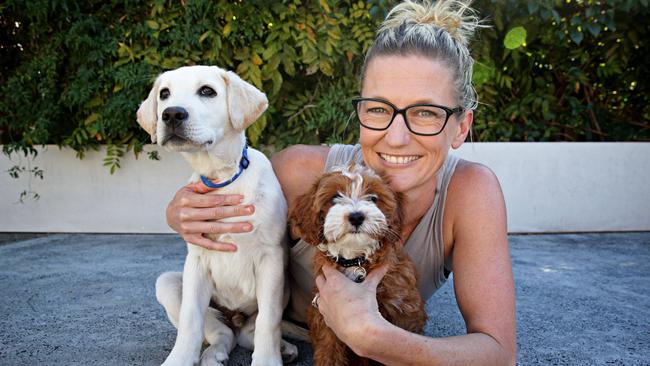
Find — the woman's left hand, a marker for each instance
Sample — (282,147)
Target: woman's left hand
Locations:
(349,308)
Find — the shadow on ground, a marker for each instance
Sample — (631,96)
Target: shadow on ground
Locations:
(82,299)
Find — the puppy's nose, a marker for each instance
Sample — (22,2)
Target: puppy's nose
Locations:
(356,218)
(174,116)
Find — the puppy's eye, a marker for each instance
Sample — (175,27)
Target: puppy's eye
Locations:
(164,94)
(207,91)
(372,198)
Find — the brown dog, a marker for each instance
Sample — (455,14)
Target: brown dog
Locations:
(353,217)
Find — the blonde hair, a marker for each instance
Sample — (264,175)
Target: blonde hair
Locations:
(440,30)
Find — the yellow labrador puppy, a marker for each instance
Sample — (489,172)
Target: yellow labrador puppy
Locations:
(201,112)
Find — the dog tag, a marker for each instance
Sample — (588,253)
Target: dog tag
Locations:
(359,274)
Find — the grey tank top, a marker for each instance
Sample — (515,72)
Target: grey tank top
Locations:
(425,246)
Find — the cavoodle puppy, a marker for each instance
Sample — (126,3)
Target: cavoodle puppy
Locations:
(353,218)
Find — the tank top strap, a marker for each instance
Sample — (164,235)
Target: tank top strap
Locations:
(343,155)
(426,246)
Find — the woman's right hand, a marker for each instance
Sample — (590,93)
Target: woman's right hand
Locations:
(193,213)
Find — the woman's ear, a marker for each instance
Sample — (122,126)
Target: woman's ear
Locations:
(464,129)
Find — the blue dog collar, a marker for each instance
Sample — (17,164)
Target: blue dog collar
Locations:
(243,164)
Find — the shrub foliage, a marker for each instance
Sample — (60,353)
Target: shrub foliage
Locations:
(73,73)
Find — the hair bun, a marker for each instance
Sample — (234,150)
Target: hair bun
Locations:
(455,16)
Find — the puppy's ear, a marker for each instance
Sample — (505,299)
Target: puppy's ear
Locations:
(245,102)
(147,115)
(304,217)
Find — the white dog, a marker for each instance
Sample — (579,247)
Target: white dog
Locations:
(202,111)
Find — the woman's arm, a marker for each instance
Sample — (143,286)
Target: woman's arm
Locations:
(482,281)
(297,168)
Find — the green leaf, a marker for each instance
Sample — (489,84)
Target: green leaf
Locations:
(593,28)
(152,24)
(515,38)
(576,36)
(482,74)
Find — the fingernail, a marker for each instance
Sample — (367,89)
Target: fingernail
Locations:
(248,227)
(250,209)
(241,199)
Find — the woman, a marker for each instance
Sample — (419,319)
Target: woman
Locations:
(416,103)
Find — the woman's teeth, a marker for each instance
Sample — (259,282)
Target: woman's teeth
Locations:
(399,159)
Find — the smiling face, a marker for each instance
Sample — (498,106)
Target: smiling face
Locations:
(192,110)
(410,161)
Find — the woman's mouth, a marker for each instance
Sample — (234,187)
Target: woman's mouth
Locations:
(399,159)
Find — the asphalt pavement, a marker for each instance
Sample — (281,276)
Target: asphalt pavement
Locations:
(88,299)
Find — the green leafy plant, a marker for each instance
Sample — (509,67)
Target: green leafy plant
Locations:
(73,73)
(563,71)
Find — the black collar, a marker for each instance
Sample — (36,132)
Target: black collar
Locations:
(358,261)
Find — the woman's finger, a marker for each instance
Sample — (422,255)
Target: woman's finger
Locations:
(375,276)
(196,200)
(216,213)
(215,227)
(320,282)
(199,187)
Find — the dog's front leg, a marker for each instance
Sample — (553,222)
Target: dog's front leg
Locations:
(269,279)
(195,299)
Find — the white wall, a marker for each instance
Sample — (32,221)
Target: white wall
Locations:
(549,187)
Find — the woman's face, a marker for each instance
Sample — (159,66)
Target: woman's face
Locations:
(411,161)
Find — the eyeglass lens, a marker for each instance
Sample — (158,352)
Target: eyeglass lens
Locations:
(421,119)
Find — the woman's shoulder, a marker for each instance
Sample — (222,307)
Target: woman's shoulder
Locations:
(469,174)
(474,190)
(298,166)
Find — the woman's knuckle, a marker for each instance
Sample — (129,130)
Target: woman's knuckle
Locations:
(219,212)
(185,228)
(219,199)
(184,201)
(216,228)
(183,215)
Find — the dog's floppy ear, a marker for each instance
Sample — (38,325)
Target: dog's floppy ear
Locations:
(148,112)
(304,217)
(245,102)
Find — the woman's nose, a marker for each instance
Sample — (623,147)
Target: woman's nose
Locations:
(398,134)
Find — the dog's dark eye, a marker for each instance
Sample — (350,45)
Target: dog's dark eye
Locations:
(372,198)
(207,91)
(164,94)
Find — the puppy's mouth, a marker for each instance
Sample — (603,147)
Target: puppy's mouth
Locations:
(176,140)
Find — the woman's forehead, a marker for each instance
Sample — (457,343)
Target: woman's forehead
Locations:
(408,79)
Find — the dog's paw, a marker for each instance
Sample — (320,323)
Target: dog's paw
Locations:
(214,356)
(269,359)
(289,352)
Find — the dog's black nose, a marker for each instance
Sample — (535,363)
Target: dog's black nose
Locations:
(356,218)
(174,116)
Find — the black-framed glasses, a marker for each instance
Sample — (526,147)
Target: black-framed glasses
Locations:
(421,119)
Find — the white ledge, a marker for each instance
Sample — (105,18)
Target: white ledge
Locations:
(548,187)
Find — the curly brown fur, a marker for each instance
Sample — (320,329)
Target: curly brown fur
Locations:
(399,300)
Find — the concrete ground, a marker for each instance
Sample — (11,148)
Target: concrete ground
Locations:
(79,299)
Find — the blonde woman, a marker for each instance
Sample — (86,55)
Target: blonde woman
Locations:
(416,103)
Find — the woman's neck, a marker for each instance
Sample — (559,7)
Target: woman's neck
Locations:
(415,205)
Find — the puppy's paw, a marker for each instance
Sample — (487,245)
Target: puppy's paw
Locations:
(214,356)
(289,352)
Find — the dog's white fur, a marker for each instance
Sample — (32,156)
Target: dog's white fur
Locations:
(343,240)
(250,280)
